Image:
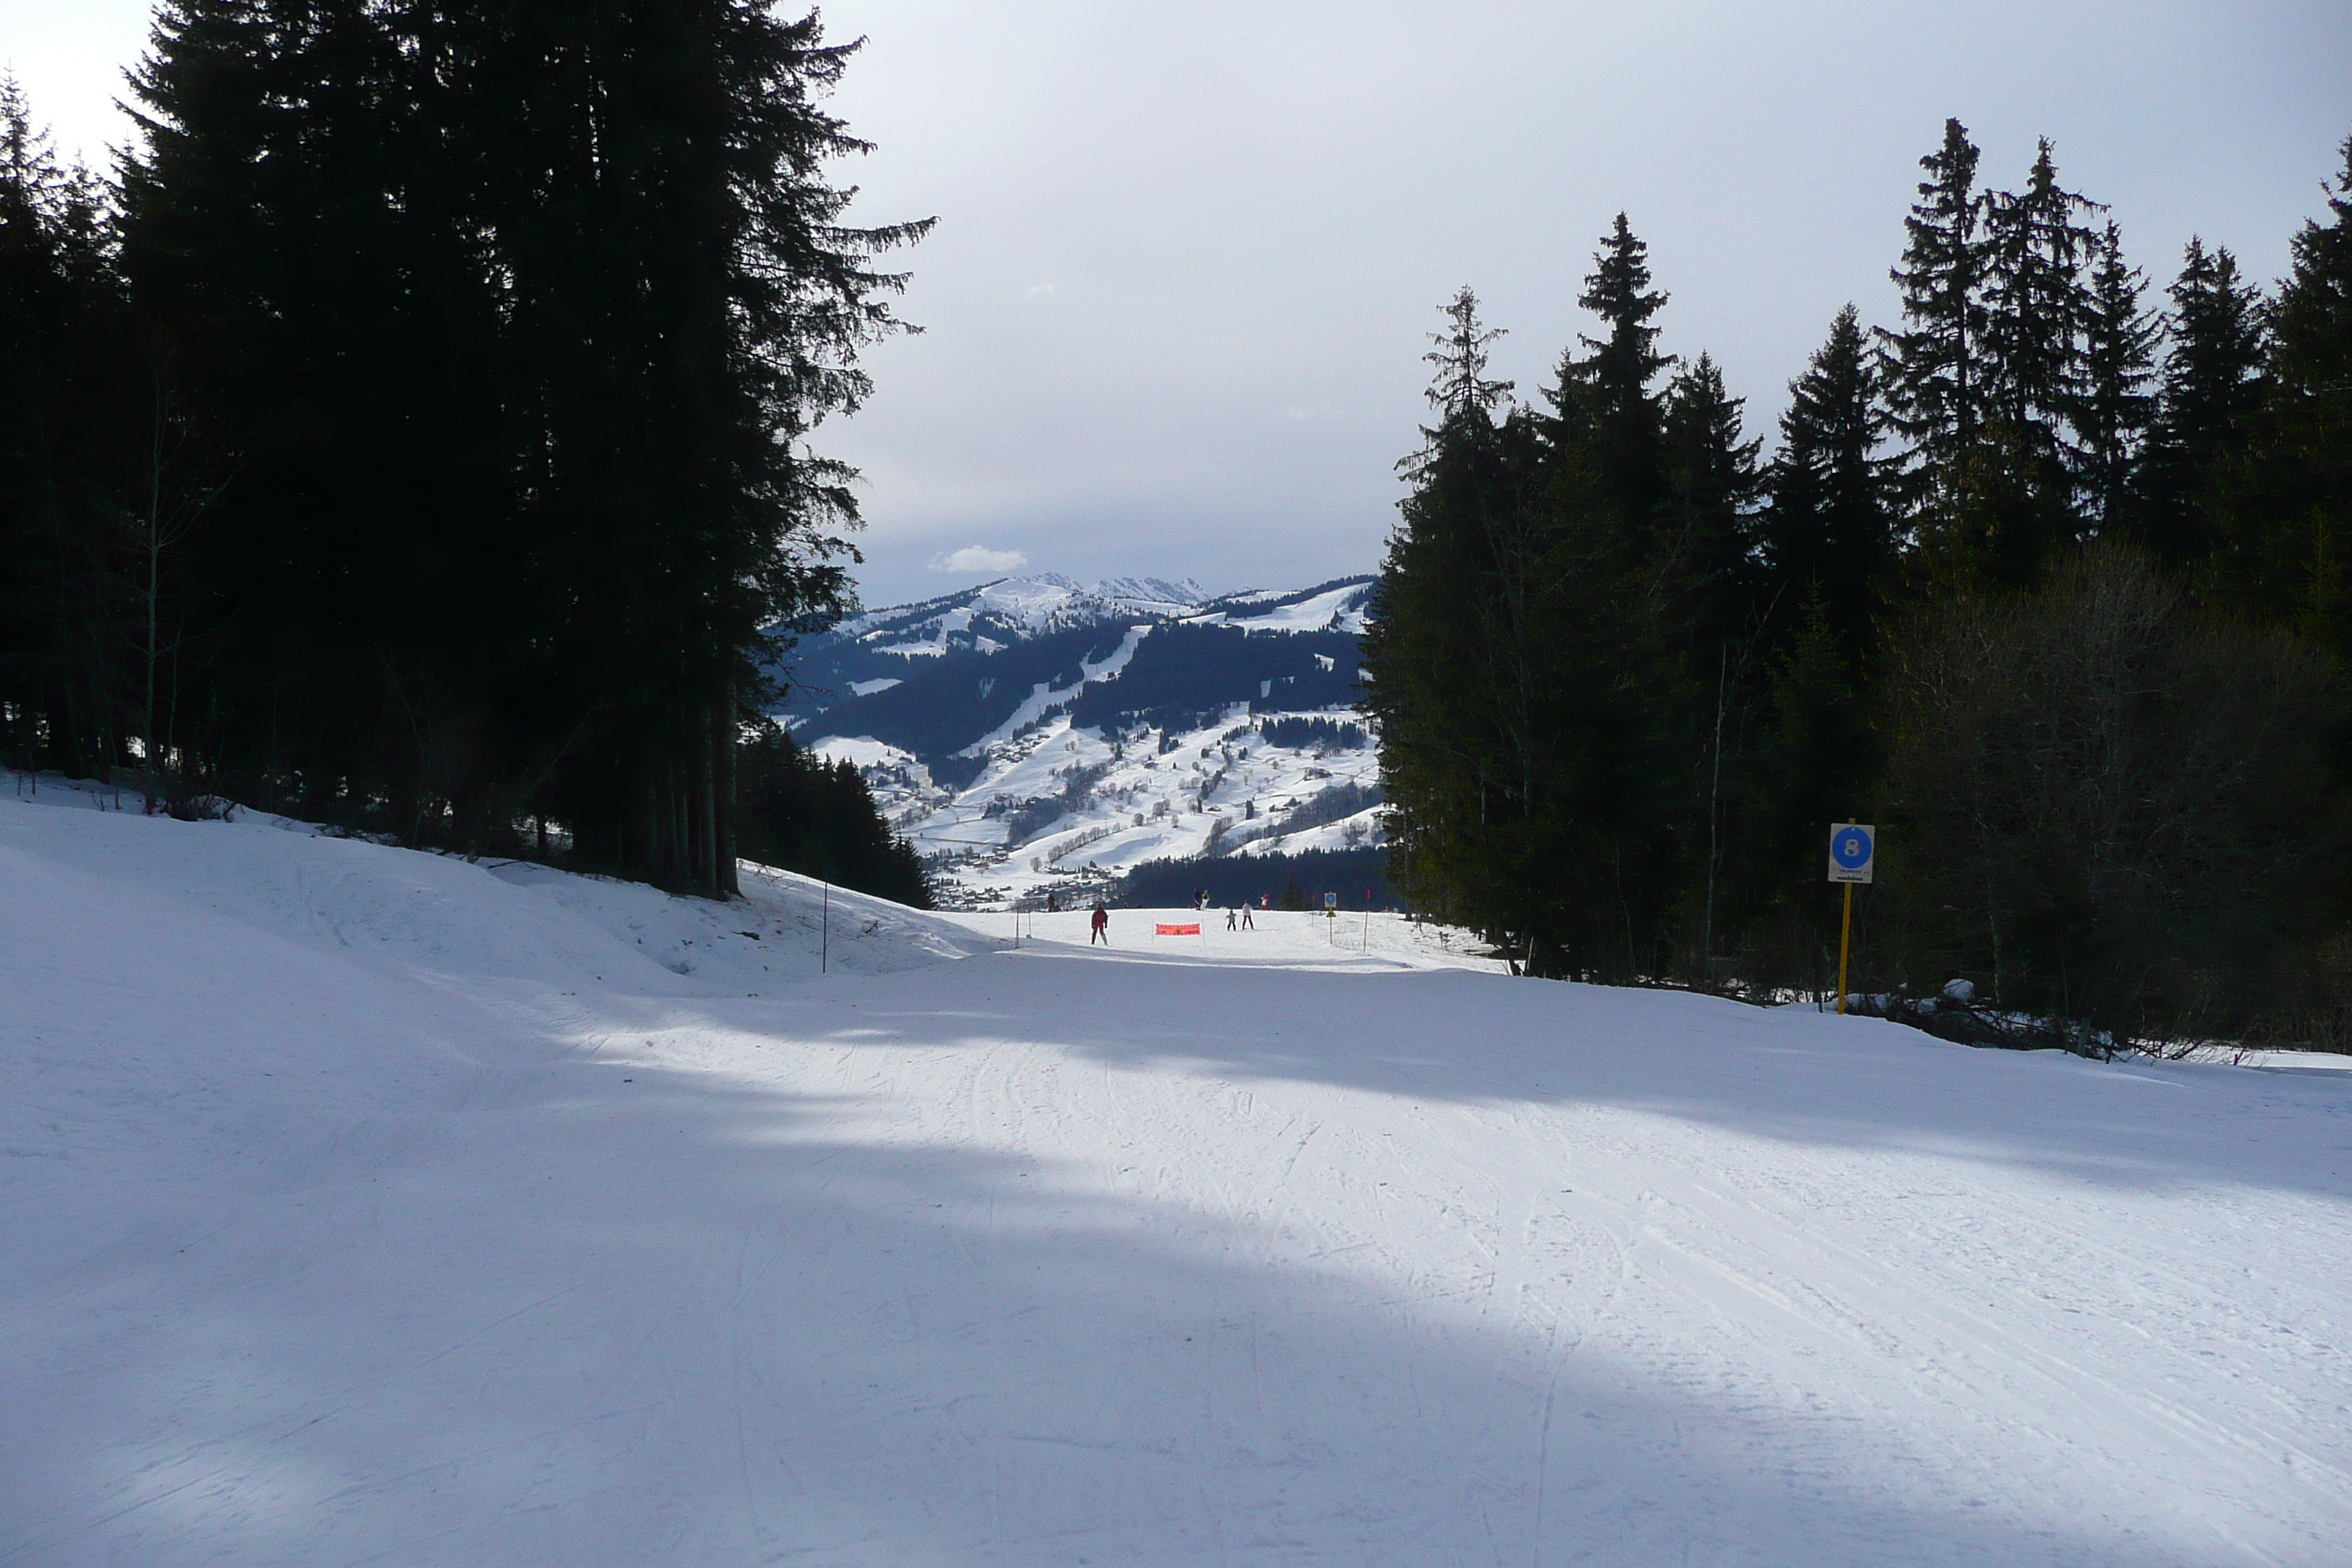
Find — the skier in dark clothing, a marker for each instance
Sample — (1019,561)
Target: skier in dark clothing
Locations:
(1101,926)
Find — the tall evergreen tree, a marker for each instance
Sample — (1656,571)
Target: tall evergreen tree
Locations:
(1712,483)
(66,370)
(1630,697)
(693,306)
(1935,371)
(1830,551)
(2286,504)
(1816,767)
(1459,388)
(2212,386)
(2115,409)
(1830,528)
(2038,312)
(293,235)
(513,323)
(2005,498)
(2037,306)
(1514,665)
(1606,403)
(1448,654)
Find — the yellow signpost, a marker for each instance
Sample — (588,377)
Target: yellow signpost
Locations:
(1853,857)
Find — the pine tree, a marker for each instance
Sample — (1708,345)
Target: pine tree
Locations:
(540,304)
(1629,698)
(2038,313)
(67,368)
(806,814)
(2212,386)
(1829,530)
(1460,354)
(293,236)
(2311,358)
(1605,406)
(2115,409)
(1712,485)
(1935,372)
(1629,694)
(1996,485)
(1710,519)
(1817,766)
(1434,669)
(1831,550)
(2037,307)
(1514,667)
(2285,505)
(695,307)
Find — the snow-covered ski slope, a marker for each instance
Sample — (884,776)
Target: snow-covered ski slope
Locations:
(364,1206)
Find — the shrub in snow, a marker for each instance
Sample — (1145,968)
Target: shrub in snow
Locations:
(1962,1022)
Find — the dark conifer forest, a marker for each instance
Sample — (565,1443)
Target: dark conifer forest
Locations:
(414,432)
(2047,577)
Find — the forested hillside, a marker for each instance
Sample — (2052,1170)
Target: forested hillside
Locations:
(2047,577)
(415,436)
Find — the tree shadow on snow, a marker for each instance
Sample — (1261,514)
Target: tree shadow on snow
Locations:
(659,1313)
(1788,1074)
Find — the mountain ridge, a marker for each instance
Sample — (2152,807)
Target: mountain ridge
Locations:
(1014,730)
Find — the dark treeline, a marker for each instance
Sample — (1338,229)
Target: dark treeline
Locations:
(798,811)
(413,434)
(1306,733)
(2047,579)
(1282,881)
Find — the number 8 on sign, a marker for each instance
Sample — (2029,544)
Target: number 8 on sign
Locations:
(1853,846)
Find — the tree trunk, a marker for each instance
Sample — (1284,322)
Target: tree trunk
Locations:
(723,743)
(706,836)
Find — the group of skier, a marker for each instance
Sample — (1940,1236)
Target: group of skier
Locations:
(1237,917)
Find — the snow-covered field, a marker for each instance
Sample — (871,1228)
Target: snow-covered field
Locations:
(364,1206)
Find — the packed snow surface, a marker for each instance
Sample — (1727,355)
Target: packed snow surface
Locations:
(368,1206)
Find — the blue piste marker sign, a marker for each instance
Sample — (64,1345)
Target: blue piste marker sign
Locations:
(1853,850)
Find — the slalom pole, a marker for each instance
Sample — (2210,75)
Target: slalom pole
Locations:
(1845,944)
(824,941)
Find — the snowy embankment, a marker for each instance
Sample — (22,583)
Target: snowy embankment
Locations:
(368,1206)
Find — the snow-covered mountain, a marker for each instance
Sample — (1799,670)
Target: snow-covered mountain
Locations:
(1033,734)
(1009,610)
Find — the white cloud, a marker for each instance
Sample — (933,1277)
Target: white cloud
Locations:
(979,558)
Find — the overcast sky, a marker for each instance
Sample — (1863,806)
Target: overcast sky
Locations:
(1187,254)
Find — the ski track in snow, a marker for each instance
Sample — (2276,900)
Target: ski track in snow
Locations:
(363,1206)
